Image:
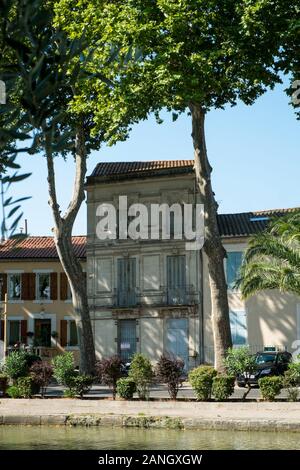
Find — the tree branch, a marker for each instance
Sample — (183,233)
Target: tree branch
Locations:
(51,182)
(78,187)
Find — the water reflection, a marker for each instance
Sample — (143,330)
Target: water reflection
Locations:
(48,437)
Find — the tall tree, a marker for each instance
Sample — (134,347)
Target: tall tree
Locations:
(197,55)
(272,259)
(57,86)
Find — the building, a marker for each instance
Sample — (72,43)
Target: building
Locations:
(153,296)
(145,295)
(39,309)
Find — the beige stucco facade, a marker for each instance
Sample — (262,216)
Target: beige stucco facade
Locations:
(271,319)
(53,311)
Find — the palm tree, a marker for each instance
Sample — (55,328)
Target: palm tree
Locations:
(272,259)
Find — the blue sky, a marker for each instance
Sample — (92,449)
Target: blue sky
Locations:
(254,152)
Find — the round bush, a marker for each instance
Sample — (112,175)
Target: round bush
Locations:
(126,388)
(16,365)
(270,387)
(141,373)
(201,379)
(223,387)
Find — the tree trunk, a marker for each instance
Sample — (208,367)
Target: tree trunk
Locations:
(63,241)
(213,247)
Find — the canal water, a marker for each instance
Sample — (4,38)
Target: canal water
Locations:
(100,438)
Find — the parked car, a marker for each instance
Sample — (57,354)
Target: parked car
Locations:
(268,363)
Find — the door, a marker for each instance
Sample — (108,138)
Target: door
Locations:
(126,282)
(176,280)
(42,332)
(177,339)
(127,339)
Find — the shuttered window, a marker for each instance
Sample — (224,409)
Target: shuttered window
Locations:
(176,279)
(126,282)
(233,265)
(238,326)
(14,286)
(14,331)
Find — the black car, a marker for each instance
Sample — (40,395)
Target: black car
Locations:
(268,363)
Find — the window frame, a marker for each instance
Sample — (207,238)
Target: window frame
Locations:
(37,287)
(9,276)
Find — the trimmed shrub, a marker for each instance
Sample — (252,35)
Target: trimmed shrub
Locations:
(16,365)
(3,383)
(109,371)
(126,388)
(201,379)
(270,387)
(26,387)
(64,369)
(81,384)
(141,373)
(14,392)
(223,387)
(290,382)
(41,373)
(170,372)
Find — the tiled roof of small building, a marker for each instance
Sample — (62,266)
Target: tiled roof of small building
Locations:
(38,247)
(128,170)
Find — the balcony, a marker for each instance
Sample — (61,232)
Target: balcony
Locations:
(184,295)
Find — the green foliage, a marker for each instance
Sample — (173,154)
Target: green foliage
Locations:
(23,388)
(270,387)
(81,384)
(141,373)
(291,380)
(212,53)
(109,371)
(271,260)
(201,379)
(63,369)
(26,387)
(69,393)
(239,361)
(294,371)
(223,387)
(170,371)
(11,208)
(14,392)
(16,365)
(126,388)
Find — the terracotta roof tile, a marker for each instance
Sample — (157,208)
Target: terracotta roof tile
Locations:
(117,170)
(38,247)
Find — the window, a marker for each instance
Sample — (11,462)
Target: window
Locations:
(43,286)
(126,282)
(14,286)
(14,332)
(72,333)
(238,326)
(233,265)
(176,280)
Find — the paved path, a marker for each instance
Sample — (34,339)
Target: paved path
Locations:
(166,414)
(157,391)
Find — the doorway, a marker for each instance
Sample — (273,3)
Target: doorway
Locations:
(42,332)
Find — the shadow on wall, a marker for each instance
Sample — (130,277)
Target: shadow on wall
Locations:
(272,319)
